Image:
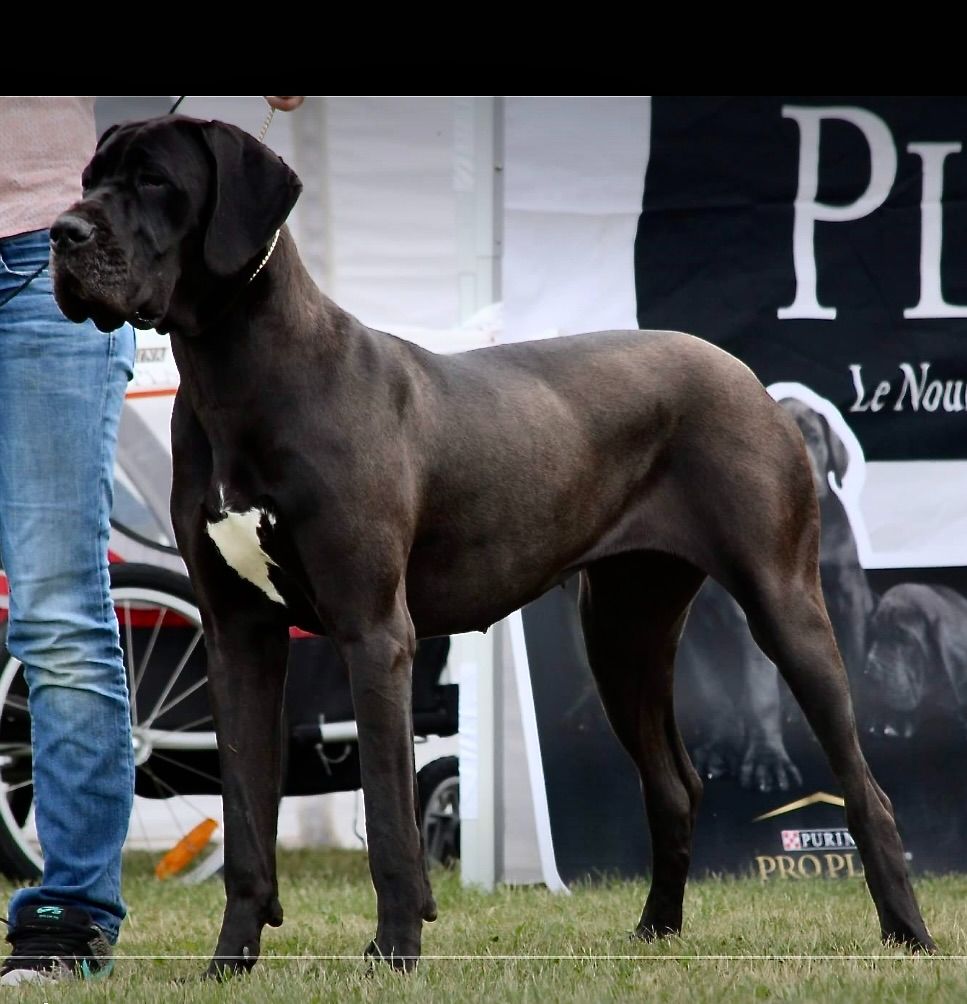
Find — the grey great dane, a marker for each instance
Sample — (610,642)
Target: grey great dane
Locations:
(336,478)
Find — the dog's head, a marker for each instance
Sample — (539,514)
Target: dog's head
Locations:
(170,206)
(827,453)
(901,650)
(917,658)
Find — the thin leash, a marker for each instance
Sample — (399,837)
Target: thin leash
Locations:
(30,278)
(265,124)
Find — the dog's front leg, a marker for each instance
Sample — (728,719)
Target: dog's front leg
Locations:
(247,646)
(379,659)
(247,656)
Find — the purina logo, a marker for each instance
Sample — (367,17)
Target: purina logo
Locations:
(818,840)
(817,852)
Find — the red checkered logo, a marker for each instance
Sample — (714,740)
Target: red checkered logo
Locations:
(791,840)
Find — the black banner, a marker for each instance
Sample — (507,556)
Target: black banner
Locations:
(811,235)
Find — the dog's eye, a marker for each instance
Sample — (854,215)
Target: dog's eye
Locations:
(153,181)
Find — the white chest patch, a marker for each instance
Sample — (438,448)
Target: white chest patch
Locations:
(237,539)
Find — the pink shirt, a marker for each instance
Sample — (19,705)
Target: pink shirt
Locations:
(45,144)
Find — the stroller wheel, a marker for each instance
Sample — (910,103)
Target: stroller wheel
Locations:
(438,784)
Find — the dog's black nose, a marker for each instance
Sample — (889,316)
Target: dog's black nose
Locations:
(70,230)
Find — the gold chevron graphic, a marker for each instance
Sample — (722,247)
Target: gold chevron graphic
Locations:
(819,796)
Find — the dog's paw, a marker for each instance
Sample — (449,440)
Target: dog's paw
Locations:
(396,961)
(653,931)
(220,970)
(914,939)
(768,768)
(893,725)
(713,760)
(224,966)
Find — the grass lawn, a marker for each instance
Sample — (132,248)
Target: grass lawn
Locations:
(744,941)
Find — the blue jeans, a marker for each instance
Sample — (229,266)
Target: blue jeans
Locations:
(61,391)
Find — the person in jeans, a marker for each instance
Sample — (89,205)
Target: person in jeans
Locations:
(62,387)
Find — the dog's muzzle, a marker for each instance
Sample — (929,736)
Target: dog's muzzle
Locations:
(89,272)
(70,232)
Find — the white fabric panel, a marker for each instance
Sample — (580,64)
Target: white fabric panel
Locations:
(393,257)
(574,177)
(563,273)
(577,154)
(915,514)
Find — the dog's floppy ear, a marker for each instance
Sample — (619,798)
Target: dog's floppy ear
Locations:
(107,134)
(836,451)
(253,193)
(950,643)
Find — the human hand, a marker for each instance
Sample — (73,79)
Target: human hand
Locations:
(284,103)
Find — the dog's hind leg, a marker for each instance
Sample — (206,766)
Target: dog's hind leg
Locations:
(633,607)
(787,615)
(755,528)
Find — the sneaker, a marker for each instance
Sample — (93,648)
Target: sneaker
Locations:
(55,943)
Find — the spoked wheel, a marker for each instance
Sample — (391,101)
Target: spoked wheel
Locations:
(173,734)
(19,858)
(438,784)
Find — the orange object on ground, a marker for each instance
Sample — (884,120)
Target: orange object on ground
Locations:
(186,850)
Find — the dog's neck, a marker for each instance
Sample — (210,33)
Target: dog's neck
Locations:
(237,349)
(204,304)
